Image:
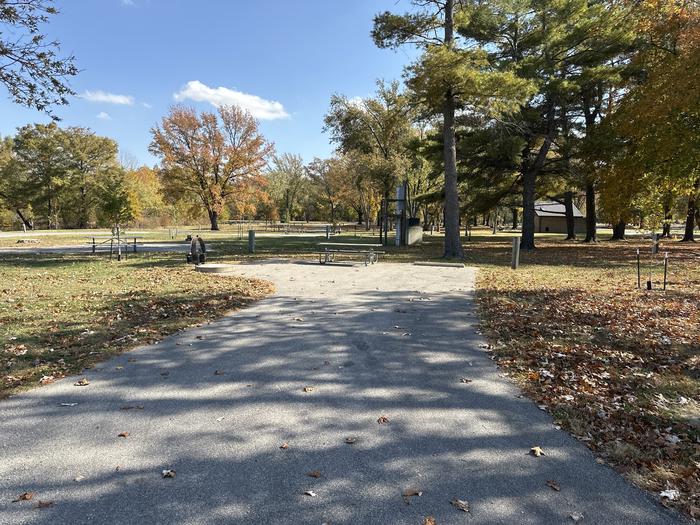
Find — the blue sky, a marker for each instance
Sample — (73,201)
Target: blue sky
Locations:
(281,58)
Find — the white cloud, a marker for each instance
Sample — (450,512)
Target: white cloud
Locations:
(258,107)
(103,116)
(357,102)
(127,2)
(146,105)
(108,98)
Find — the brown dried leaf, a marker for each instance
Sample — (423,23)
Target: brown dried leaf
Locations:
(82,382)
(553,485)
(429,520)
(460,504)
(284,446)
(409,493)
(314,474)
(123,435)
(537,452)
(382,420)
(308,389)
(464,380)
(25,496)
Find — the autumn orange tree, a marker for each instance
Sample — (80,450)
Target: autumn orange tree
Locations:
(656,125)
(209,155)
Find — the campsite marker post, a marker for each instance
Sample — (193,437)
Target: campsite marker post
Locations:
(515,256)
(251,241)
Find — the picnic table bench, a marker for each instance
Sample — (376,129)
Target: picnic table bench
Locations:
(328,250)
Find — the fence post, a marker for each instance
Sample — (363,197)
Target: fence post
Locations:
(251,241)
(328,231)
(515,256)
(665,269)
(639,271)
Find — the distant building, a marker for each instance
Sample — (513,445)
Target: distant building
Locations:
(550,217)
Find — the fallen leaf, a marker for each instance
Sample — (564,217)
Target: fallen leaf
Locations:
(284,446)
(123,435)
(79,478)
(308,389)
(350,440)
(219,372)
(382,420)
(460,504)
(429,520)
(43,504)
(553,485)
(464,380)
(310,493)
(576,516)
(671,494)
(82,382)
(25,496)
(46,380)
(314,474)
(131,407)
(409,493)
(537,452)
(168,473)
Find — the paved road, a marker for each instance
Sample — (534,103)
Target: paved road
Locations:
(387,340)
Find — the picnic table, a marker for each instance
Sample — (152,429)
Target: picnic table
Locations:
(124,240)
(328,251)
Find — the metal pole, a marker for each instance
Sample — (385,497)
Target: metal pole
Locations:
(251,241)
(515,256)
(93,245)
(665,268)
(639,271)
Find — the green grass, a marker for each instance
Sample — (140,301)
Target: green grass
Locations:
(60,314)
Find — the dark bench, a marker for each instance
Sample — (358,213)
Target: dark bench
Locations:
(329,250)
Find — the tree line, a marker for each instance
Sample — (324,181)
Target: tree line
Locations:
(508,102)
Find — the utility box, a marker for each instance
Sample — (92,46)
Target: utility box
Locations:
(414,235)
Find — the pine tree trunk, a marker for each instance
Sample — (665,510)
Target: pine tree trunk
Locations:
(530,169)
(453,242)
(570,220)
(527,241)
(619,231)
(591,233)
(214,220)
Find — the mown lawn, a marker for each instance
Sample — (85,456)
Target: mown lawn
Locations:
(61,314)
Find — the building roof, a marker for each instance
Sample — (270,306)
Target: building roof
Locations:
(553,209)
